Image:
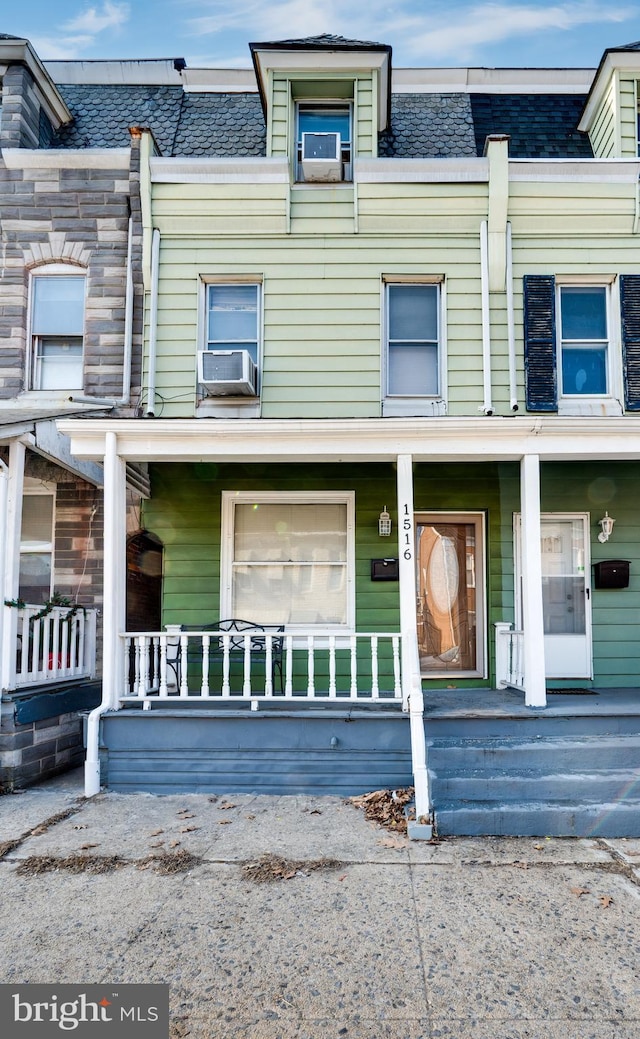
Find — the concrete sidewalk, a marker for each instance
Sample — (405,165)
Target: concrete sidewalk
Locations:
(471,938)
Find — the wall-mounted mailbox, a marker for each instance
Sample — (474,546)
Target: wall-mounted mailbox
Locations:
(384,570)
(611,573)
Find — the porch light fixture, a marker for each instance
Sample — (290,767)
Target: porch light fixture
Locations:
(607,528)
(384,523)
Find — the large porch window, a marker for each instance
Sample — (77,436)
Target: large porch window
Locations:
(288,558)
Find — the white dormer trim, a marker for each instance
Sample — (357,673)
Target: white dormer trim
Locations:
(619,62)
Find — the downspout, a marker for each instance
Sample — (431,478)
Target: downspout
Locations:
(511,333)
(487,406)
(128,339)
(4,496)
(153,323)
(110,630)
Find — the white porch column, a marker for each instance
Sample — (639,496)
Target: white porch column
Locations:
(533,626)
(115,554)
(11,571)
(411,681)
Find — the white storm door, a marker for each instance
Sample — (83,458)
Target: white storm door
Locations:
(566,594)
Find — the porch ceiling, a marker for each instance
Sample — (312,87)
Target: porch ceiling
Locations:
(351,440)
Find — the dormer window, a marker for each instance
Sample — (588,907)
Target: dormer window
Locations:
(323,141)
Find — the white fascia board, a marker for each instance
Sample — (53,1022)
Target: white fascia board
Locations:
(323,63)
(219,81)
(62,159)
(491,81)
(154,71)
(219,171)
(21,52)
(415,171)
(352,440)
(617,61)
(607,171)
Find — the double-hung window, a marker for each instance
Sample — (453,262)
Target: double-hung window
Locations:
(584,340)
(412,362)
(324,124)
(233,317)
(288,558)
(36,547)
(57,329)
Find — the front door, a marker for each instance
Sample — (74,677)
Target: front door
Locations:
(450,561)
(566,595)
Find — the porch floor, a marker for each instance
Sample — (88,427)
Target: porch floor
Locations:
(508,703)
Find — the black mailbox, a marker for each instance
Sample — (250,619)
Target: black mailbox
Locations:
(611,573)
(384,570)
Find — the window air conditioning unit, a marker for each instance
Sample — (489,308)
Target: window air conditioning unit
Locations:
(227,373)
(321,157)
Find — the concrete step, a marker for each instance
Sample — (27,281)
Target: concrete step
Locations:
(534,819)
(497,755)
(601,786)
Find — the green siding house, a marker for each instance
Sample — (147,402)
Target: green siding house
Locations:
(388,413)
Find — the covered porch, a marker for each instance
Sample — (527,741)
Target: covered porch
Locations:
(139,673)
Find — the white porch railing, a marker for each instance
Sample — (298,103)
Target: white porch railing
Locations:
(221,665)
(509,657)
(58,646)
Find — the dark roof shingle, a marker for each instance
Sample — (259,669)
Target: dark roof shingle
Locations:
(541,126)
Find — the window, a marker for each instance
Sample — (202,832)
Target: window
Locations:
(288,558)
(57,329)
(412,340)
(583,340)
(232,318)
(581,344)
(36,548)
(321,119)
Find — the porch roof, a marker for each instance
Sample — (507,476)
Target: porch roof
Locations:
(357,440)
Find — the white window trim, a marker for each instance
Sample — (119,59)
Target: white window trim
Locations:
(479,518)
(34,488)
(610,403)
(49,270)
(335,102)
(230,407)
(431,405)
(229,501)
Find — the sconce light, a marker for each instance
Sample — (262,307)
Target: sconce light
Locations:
(607,528)
(384,523)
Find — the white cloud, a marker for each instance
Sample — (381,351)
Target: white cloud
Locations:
(94,21)
(65,48)
(454,33)
(497,22)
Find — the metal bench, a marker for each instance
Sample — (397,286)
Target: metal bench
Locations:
(236,646)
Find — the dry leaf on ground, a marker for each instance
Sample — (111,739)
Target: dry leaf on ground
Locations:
(605,901)
(578,891)
(385,807)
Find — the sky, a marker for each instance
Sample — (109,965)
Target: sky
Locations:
(486,33)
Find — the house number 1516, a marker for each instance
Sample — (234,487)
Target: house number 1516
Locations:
(407,527)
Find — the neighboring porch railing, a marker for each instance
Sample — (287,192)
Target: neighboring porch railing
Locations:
(219,665)
(509,657)
(58,646)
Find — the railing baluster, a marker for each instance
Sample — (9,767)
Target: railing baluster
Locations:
(162,689)
(288,666)
(375,687)
(206,639)
(62,662)
(397,687)
(311,688)
(82,624)
(46,642)
(184,665)
(127,666)
(246,684)
(354,669)
(268,665)
(226,689)
(332,666)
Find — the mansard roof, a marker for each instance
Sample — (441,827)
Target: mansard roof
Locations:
(423,125)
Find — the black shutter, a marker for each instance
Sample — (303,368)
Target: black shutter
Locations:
(540,373)
(630,313)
